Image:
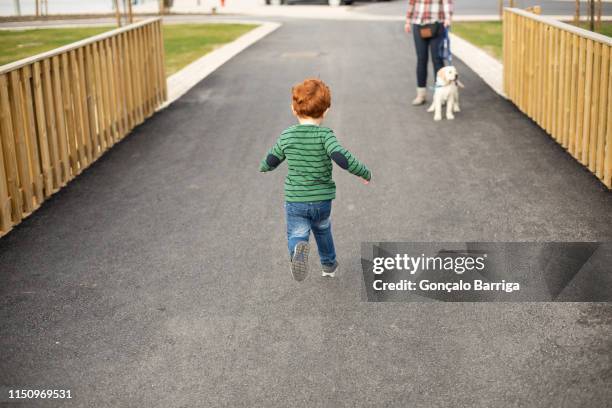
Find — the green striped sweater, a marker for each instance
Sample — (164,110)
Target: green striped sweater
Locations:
(309,150)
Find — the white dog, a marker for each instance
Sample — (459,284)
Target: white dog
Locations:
(446,91)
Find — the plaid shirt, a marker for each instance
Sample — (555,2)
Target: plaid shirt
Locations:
(429,11)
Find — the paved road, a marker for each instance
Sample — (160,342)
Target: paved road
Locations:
(158,278)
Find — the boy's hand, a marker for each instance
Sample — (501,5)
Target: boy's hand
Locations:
(407,27)
(366,182)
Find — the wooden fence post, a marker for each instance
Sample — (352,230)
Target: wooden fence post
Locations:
(10,155)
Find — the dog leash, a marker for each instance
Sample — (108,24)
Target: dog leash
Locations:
(445,49)
(445,52)
(457,82)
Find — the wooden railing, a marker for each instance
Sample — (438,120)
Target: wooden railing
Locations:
(61,110)
(560,76)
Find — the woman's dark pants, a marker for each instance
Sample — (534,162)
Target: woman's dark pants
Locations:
(423,47)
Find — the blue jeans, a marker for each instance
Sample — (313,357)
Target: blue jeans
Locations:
(423,47)
(315,216)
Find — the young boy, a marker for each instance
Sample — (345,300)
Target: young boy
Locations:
(309,149)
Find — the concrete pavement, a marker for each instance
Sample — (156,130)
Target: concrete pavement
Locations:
(158,278)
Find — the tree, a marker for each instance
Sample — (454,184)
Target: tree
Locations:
(117,12)
(592,15)
(599,9)
(129,10)
(577,13)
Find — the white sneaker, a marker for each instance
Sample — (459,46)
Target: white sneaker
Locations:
(329,271)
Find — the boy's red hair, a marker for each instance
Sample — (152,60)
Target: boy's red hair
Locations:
(311,98)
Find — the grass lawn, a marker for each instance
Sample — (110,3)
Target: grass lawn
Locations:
(483,34)
(20,44)
(606,28)
(488,34)
(183,43)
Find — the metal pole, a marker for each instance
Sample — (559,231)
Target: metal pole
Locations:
(37,7)
(17,7)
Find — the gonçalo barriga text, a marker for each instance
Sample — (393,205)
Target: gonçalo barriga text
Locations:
(456,264)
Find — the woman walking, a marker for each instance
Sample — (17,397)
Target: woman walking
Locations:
(427,19)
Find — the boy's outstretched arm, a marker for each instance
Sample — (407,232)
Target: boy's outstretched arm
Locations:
(274,157)
(344,158)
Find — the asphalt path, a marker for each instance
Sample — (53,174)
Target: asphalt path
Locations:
(159,277)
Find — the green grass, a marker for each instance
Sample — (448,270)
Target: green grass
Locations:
(183,43)
(483,34)
(606,28)
(488,34)
(20,44)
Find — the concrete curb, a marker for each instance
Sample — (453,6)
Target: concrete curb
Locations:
(485,66)
(182,81)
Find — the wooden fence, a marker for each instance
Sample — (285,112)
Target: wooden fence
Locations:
(61,110)
(559,75)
